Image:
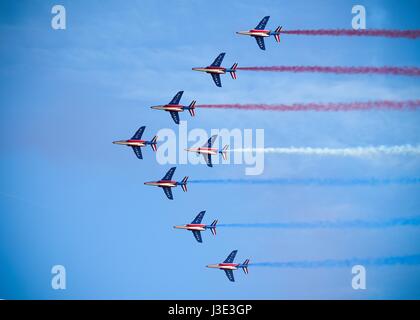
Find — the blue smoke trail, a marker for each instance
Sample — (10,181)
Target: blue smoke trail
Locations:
(315,181)
(397,222)
(337,263)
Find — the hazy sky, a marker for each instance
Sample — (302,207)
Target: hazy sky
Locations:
(69,196)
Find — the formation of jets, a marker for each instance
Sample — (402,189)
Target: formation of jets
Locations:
(259,33)
(207,150)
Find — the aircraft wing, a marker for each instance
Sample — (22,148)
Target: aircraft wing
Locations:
(262,23)
(139,133)
(207,157)
(210,142)
(198,218)
(216,79)
(197,235)
(175,116)
(229,274)
(137,151)
(260,42)
(169,174)
(177,98)
(218,61)
(231,257)
(168,192)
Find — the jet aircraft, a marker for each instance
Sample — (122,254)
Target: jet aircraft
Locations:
(215,70)
(259,33)
(207,150)
(166,183)
(196,226)
(228,266)
(174,108)
(136,143)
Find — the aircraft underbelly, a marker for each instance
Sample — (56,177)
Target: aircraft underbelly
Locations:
(196,228)
(207,152)
(136,144)
(169,185)
(260,35)
(228,268)
(216,71)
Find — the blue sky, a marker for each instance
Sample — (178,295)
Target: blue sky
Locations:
(68,196)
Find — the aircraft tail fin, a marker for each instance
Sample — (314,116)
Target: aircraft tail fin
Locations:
(184,184)
(191,108)
(233,70)
(153,143)
(224,152)
(277,34)
(245,266)
(213,227)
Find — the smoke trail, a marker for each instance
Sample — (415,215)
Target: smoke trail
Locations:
(315,181)
(343,152)
(336,263)
(367,224)
(401,71)
(409,34)
(351,106)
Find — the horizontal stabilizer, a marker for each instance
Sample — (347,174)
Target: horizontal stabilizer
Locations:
(213,227)
(233,72)
(277,34)
(224,152)
(184,184)
(245,266)
(153,143)
(191,108)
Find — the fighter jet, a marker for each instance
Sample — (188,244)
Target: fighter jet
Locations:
(136,143)
(228,266)
(174,108)
(207,151)
(216,70)
(259,33)
(196,226)
(166,183)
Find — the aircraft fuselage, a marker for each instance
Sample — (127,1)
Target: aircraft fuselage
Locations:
(169,107)
(210,69)
(192,227)
(162,183)
(131,143)
(201,150)
(224,266)
(255,33)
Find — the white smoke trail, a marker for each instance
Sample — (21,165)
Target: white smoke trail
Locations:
(406,149)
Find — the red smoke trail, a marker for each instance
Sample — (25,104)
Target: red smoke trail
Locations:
(351,106)
(409,34)
(403,71)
